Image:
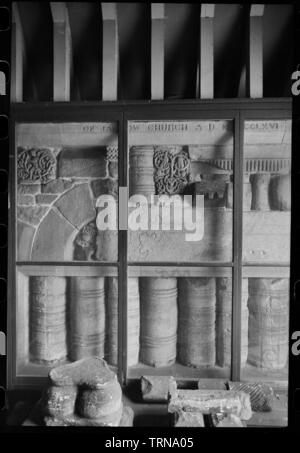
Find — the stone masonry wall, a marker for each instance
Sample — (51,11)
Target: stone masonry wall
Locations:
(56,196)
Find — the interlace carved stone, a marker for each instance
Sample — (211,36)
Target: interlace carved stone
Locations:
(172,170)
(112,153)
(36,164)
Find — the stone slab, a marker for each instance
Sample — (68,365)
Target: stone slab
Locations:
(25,236)
(76,205)
(157,388)
(58,135)
(28,189)
(211,401)
(45,198)
(211,384)
(52,239)
(31,214)
(216,243)
(266,239)
(57,186)
(88,162)
(25,200)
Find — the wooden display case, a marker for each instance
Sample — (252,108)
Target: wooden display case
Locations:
(92,168)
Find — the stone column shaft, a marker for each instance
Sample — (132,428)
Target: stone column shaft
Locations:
(47,319)
(141,170)
(158,320)
(196,321)
(268,305)
(87,317)
(260,191)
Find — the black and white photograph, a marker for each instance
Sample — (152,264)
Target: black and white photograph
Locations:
(151,219)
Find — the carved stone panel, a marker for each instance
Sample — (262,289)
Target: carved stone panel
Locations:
(36,165)
(171,169)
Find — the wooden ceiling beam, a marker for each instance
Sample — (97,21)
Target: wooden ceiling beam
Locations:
(157,50)
(206,58)
(255,52)
(62,52)
(17,56)
(110,54)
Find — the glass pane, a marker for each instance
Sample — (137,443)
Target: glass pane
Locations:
(63,172)
(267,191)
(179,325)
(62,319)
(188,165)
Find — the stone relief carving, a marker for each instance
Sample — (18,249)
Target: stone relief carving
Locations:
(85,243)
(172,169)
(112,153)
(36,164)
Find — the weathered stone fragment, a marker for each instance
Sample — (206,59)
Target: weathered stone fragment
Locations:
(156,388)
(213,401)
(184,419)
(84,393)
(92,372)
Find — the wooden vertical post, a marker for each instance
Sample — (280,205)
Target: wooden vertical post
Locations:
(17,59)
(61,52)
(157,50)
(206,73)
(255,60)
(110,52)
